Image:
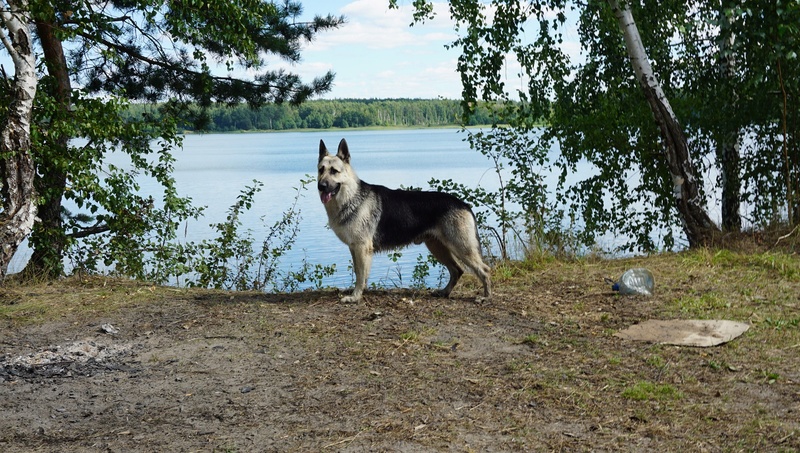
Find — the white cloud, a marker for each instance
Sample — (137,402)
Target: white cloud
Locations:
(377,54)
(370,23)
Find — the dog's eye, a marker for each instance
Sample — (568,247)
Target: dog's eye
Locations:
(334,171)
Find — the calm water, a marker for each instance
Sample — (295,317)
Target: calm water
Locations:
(213,169)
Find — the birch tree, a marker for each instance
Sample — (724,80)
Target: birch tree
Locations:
(697,225)
(728,146)
(16,164)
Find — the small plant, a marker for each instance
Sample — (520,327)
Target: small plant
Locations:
(421,271)
(308,273)
(770,376)
(648,391)
(410,336)
(531,340)
(231,260)
(394,256)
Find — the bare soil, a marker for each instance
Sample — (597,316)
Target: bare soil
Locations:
(100,364)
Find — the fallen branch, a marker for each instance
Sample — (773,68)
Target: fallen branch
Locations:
(785,236)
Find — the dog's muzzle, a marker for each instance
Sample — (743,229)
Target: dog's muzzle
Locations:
(327,191)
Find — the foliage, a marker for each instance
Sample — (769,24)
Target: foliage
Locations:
(118,48)
(745,93)
(519,207)
(117,54)
(231,260)
(132,225)
(759,99)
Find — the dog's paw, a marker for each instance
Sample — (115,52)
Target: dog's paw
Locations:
(350,299)
(481,300)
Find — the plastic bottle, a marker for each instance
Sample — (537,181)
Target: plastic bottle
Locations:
(637,281)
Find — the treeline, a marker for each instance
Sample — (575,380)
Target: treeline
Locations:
(323,114)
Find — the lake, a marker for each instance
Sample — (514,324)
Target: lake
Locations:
(213,169)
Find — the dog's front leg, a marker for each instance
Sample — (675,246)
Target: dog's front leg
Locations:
(362,261)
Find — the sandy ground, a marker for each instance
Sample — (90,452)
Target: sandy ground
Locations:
(538,369)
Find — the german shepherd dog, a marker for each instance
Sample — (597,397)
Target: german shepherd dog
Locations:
(371,218)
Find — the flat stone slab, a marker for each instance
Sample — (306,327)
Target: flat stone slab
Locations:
(682,332)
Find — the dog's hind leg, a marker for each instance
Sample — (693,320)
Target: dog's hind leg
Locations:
(463,245)
(443,255)
(475,263)
(362,262)
(471,258)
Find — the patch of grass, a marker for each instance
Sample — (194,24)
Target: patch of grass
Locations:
(519,365)
(410,336)
(531,340)
(786,265)
(648,391)
(656,361)
(704,305)
(32,303)
(781,323)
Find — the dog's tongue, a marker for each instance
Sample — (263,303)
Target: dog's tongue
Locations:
(325,197)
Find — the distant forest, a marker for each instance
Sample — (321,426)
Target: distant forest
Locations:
(345,113)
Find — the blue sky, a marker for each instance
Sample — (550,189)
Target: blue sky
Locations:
(376,54)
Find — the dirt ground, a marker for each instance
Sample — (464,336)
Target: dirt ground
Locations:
(121,366)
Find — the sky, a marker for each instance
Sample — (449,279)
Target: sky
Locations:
(376,54)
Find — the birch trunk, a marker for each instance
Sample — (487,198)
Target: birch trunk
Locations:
(16,163)
(728,155)
(49,238)
(697,225)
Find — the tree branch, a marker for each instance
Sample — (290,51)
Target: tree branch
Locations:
(127,50)
(88,231)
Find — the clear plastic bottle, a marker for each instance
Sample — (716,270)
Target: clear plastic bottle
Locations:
(637,281)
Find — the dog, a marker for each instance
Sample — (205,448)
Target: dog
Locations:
(370,218)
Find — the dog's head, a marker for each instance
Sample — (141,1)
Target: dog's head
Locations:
(333,171)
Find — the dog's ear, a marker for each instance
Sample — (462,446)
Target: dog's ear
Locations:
(323,150)
(344,152)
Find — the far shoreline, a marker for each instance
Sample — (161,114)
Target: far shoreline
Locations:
(364,128)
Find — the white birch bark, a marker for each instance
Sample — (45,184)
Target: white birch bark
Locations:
(696,223)
(16,163)
(728,150)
